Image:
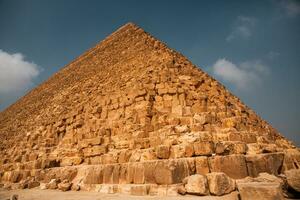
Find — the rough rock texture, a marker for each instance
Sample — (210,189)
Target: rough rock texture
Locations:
(133,111)
(196,184)
(260,191)
(293,179)
(219,183)
(64,186)
(52,185)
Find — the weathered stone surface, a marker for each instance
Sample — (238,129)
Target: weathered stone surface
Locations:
(219,183)
(147,117)
(260,191)
(293,179)
(196,184)
(203,148)
(52,185)
(202,165)
(233,165)
(140,190)
(270,163)
(291,159)
(163,152)
(181,190)
(170,172)
(33,184)
(64,186)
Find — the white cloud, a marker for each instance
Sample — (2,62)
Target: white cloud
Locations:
(243,76)
(243,28)
(16,74)
(290,7)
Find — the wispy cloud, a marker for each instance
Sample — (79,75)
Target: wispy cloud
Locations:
(242,76)
(242,29)
(290,7)
(272,55)
(16,74)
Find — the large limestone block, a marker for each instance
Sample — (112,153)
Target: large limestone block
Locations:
(108,174)
(293,179)
(270,163)
(260,191)
(170,172)
(232,165)
(149,171)
(93,175)
(123,174)
(140,190)
(196,184)
(291,159)
(219,183)
(203,148)
(202,165)
(163,151)
(69,161)
(94,151)
(139,173)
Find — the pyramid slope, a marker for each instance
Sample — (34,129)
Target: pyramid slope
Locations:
(130,99)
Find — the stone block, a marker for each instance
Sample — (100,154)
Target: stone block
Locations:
(108,174)
(93,175)
(232,165)
(177,151)
(291,159)
(260,191)
(293,179)
(69,161)
(270,163)
(140,190)
(196,184)
(170,172)
(219,183)
(94,151)
(202,165)
(163,151)
(189,150)
(203,148)
(139,173)
(149,169)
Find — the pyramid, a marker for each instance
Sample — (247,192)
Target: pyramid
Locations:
(131,114)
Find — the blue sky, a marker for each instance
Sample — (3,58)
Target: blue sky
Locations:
(252,47)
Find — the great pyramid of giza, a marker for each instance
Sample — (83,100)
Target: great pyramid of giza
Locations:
(132,115)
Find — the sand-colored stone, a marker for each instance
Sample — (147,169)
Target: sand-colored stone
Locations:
(133,111)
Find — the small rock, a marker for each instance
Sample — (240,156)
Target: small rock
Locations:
(181,129)
(33,184)
(43,186)
(64,186)
(196,184)
(219,183)
(14,197)
(52,185)
(75,187)
(181,190)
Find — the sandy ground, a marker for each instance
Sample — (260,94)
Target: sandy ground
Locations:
(37,194)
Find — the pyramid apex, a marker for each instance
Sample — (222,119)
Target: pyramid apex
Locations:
(129,25)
